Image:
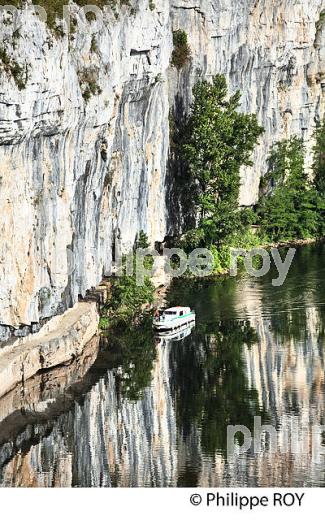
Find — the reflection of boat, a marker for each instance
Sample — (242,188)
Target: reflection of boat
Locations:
(177,334)
(173,318)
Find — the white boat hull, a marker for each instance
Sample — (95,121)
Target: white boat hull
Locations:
(175,323)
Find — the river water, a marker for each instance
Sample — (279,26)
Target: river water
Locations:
(142,411)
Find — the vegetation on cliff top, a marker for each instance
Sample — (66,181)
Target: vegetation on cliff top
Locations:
(54,9)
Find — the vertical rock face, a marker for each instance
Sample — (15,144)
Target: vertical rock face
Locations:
(84,143)
(79,171)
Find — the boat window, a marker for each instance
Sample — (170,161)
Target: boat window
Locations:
(181,313)
(170,313)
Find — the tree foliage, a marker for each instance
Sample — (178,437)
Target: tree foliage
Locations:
(218,140)
(291,205)
(319,159)
(128,298)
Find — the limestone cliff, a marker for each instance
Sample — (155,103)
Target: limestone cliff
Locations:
(78,170)
(84,131)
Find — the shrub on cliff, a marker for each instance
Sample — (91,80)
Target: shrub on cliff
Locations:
(12,68)
(128,298)
(181,53)
(127,301)
(54,9)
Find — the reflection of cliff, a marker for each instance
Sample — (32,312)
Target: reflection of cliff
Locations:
(28,412)
(102,440)
(290,383)
(147,415)
(289,377)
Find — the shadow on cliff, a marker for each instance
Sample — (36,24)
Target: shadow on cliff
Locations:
(179,187)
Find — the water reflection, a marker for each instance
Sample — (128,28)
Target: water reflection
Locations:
(176,335)
(146,411)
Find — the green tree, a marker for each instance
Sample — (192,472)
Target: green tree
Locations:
(217,141)
(128,299)
(319,159)
(319,174)
(141,240)
(290,206)
(181,52)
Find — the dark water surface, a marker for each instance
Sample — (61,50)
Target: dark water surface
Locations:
(139,411)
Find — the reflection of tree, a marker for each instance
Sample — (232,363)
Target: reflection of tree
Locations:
(303,289)
(205,296)
(211,386)
(136,353)
(321,327)
(290,325)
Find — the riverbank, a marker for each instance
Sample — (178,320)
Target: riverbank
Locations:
(295,243)
(162,283)
(60,341)
(222,271)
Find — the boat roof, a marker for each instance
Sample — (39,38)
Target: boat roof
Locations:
(177,309)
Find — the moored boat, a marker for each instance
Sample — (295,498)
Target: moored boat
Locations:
(174,317)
